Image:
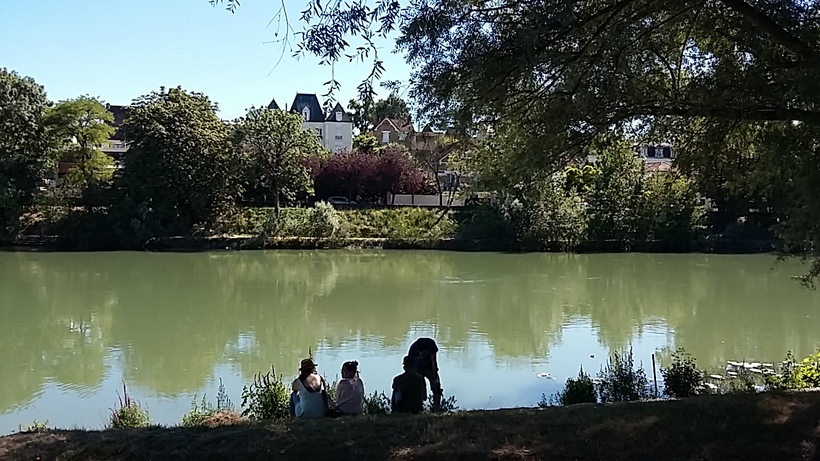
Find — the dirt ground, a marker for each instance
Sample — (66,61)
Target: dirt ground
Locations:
(737,427)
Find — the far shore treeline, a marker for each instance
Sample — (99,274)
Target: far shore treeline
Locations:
(187,173)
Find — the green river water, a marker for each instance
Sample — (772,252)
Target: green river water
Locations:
(73,326)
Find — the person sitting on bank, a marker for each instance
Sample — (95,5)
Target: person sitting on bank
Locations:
(308,399)
(350,391)
(423,351)
(409,389)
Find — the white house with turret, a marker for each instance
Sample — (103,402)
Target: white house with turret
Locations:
(334,129)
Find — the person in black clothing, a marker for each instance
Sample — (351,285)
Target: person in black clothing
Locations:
(423,352)
(409,389)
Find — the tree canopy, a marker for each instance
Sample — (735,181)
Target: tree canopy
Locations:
(82,126)
(564,71)
(25,146)
(277,149)
(180,169)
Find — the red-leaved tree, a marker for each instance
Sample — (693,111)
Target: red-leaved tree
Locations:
(367,175)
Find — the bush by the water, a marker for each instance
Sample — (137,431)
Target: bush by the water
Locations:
(448,405)
(578,390)
(620,381)
(377,403)
(129,414)
(266,397)
(682,378)
(796,375)
(324,221)
(204,410)
(36,426)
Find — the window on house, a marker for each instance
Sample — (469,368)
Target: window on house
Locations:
(338,116)
(385,137)
(338,136)
(306,114)
(319,131)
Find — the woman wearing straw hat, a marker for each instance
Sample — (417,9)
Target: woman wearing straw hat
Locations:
(308,397)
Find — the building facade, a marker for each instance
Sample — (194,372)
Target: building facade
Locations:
(334,129)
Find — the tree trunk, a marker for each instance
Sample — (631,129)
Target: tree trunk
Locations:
(276,206)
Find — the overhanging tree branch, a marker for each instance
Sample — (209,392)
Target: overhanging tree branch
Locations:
(772,28)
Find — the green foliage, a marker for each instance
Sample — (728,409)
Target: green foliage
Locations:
(25,147)
(671,213)
(36,426)
(366,143)
(804,374)
(682,378)
(377,403)
(323,221)
(616,201)
(275,150)
(129,414)
(392,107)
(82,125)
(400,223)
(553,217)
(620,381)
(448,405)
(578,390)
(266,398)
(205,409)
(580,179)
(179,171)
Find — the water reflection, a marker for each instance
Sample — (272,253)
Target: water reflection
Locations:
(77,322)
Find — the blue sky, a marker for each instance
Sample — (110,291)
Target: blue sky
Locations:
(121,49)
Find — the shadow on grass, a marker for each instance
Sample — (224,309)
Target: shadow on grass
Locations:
(742,427)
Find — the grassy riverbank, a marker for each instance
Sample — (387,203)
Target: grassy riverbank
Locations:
(476,229)
(747,427)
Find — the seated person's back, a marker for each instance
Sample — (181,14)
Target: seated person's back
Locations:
(409,389)
(308,387)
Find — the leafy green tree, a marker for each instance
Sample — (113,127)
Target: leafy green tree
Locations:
(671,209)
(24,147)
(361,112)
(277,149)
(83,125)
(568,70)
(180,170)
(616,201)
(366,143)
(392,107)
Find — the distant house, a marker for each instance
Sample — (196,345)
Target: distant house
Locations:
(334,129)
(116,146)
(392,131)
(657,152)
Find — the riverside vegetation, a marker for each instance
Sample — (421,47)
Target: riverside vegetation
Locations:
(736,424)
(189,174)
(266,398)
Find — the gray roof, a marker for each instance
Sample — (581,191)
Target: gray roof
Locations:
(310,101)
(273,105)
(331,117)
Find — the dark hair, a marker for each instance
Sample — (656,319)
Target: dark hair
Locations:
(351,365)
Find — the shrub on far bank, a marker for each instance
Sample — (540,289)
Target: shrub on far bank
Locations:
(323,221)
(682,378)
(578,390)
(266,397)
(129,414)
(620,381)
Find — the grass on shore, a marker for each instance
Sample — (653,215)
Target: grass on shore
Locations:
(771,426)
